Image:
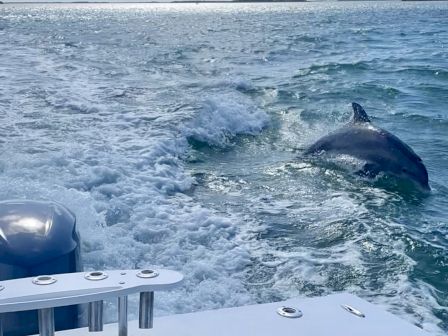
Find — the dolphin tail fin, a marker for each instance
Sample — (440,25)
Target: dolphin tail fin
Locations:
(359,115)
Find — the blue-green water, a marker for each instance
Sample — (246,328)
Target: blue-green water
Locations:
(175,133)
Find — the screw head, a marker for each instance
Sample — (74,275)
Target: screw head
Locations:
(44,280)
(290,312)
(147,273)
(96,275)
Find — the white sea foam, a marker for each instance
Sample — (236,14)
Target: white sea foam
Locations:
(223,117)
(128,191)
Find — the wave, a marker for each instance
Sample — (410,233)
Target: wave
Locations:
(421,71)
(223,117)
(329,68)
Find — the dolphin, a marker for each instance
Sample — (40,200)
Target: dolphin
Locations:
(380,150)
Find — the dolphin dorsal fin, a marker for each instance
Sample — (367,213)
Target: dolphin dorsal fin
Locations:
(359,115)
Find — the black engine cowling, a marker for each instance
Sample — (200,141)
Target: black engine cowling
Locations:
(37,238)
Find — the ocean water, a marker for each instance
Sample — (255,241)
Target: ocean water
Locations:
(175,133)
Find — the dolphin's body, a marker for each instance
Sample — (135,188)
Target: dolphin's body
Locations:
(381,150)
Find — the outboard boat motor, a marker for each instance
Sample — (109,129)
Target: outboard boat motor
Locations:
(37,238)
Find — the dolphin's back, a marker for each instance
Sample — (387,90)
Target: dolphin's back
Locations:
(347,140)
(364,142)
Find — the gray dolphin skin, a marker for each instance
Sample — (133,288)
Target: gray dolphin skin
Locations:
(381,150)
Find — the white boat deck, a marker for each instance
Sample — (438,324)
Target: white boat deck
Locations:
(322,316)
(336,315)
